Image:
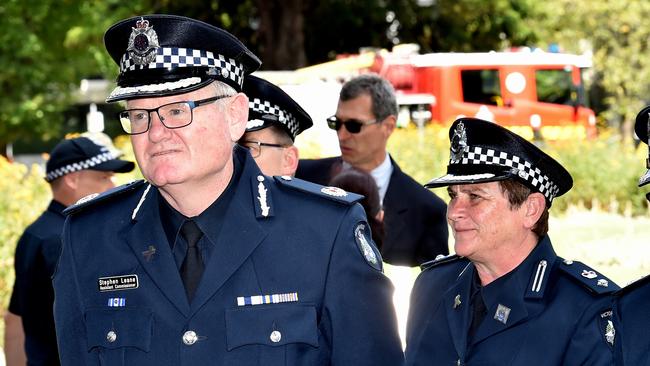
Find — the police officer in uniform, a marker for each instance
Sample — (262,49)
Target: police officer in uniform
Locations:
(210,262)
(505,297)
(274,121)
(76,168)
(631,303)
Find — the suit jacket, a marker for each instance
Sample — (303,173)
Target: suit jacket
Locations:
(415,221)
(36,255)
(547,311)
(293,279)
(631,323)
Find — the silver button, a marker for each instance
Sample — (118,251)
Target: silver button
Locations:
(275,336)
(568,262)
(111,336)
(260,178)
(189,338)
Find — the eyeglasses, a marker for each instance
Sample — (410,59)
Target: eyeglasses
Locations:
(255,147)
(352,125)
(172,115)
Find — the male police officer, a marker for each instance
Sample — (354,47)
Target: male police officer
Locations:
(416,230)
(210,262)
(505,298)
(76,168)
(631,317)
(274,121)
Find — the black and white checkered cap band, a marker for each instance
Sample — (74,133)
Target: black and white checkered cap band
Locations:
(525,170)
(286,118)
(172,57)
(81,165)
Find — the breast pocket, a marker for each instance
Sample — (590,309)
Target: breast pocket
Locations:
(114,332)
(273,328)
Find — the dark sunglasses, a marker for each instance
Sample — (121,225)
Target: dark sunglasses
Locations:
(352,125)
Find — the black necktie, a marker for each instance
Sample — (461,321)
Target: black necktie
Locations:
(192,267)
(478,313)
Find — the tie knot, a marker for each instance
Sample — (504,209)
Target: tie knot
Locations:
(191,232)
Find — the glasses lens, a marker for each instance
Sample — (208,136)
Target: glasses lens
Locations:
(254,148)
(353,126)
(134,121)
(334,123)
(175,115)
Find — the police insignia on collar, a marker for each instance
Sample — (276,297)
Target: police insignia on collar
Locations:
(502,314)
(607,327)
(261,190)
(334,191)
(143,43)
(458,142)
(365,247)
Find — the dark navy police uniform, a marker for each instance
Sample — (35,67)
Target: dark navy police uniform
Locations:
(36,255)
(545,312)
(291,278)
(631,304)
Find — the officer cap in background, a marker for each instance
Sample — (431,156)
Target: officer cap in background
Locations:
(642,130)
(82,153)
(269,105)
(483,151)
(163,55)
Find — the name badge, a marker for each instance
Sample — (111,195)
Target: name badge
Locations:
(118,283)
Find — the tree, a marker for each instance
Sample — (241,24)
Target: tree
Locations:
(46,48)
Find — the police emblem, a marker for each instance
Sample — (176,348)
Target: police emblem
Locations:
(334,191)
(589,274)
(143,43)
(607,327)
(367,250)
(458,142)
(502,314)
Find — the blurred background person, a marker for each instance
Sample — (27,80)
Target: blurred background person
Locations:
(274,121)
(415,225)
(77,168)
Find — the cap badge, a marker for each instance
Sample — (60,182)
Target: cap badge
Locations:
(143,43)
(458,141)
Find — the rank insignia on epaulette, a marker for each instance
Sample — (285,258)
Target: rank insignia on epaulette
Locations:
(370,254)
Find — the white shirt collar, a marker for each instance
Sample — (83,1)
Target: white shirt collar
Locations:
(380,174)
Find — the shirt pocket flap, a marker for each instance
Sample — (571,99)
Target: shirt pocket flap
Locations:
(117,328)
(274,325)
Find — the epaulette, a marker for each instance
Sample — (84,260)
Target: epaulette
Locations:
(633,285)
(587,277)
(95,198)
(331,193)
(440,260)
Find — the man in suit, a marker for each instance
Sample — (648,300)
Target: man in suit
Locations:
(76,168)
(274,122)
(505,297)
(414,218)
(209,262)
(631,303)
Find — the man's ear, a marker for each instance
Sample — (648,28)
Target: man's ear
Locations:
(237,115)
(290,159)
(533,208)
(71,181)
(389,125)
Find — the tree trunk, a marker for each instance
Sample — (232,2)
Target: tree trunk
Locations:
(281,32)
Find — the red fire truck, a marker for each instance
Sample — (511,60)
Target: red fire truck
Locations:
(534,93)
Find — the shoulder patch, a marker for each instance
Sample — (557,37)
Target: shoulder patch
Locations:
(102,197)
(440,260)
(366,246)
(587,277)
(641,282)
(331,193)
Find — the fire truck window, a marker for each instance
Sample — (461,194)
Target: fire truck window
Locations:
(554,86)
(481,86)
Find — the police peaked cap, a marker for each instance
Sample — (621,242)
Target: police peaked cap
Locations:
(83,153)
(642,130)
(269,105)
(161,55)
(483,151)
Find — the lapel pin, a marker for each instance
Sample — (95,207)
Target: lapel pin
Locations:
(502,314)
(149,253)
(457,301)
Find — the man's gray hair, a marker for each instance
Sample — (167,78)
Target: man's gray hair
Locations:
(380,90)
(223,89)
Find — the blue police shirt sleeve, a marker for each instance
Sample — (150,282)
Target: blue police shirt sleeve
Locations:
(358,314)
(592,343)
(68,313)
